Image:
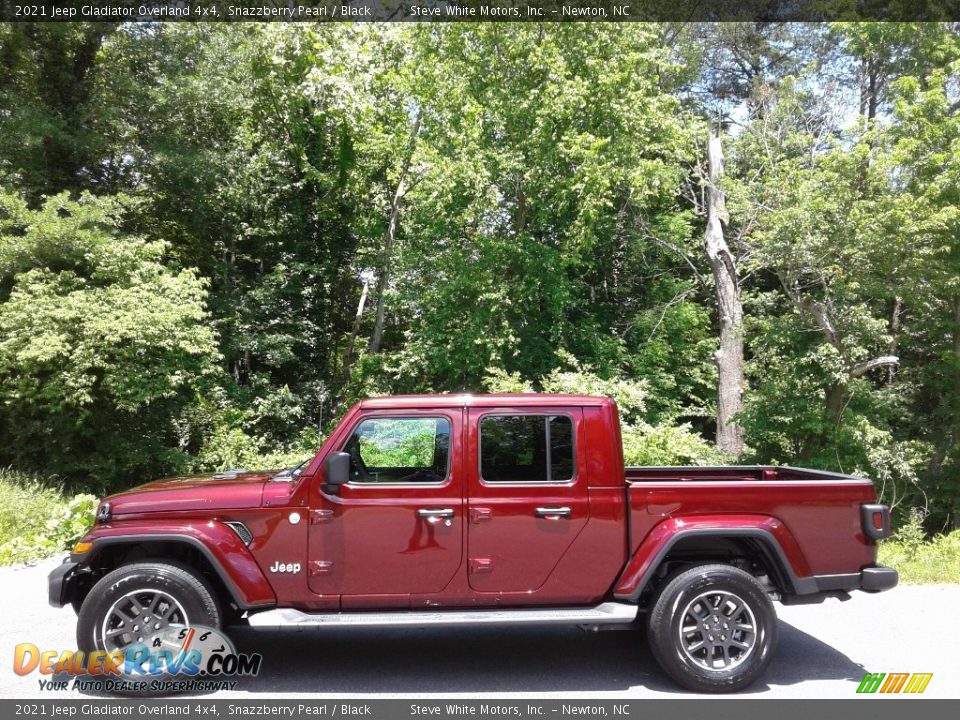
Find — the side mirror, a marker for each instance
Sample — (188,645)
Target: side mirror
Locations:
(336,469)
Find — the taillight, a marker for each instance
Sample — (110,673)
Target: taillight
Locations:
(875,521)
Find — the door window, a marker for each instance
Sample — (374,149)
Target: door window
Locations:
(526,448)
(399,450)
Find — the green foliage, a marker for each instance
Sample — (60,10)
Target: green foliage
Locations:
(674,345)
(521,235)
(99,341)
(37,520)
(399,443)
(229,436)
(788,419)
(644,443)
(921,560)
(49,139)
(629,395)
(191,213)
(667,444)
(852,229)
(498,380)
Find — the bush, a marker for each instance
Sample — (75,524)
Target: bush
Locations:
(102,344)
(630,395)
(667,444)
(231,447)
(919,560)
(38,520)
(643,443)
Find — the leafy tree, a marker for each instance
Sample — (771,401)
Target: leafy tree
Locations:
(216,237)
(521,235)
(844,245)
(51,137)
(102,345)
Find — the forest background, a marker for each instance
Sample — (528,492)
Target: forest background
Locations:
(215,238)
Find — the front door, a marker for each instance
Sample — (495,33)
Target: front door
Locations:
(527,495)
(396,527)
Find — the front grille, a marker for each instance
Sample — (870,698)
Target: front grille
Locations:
(241,530)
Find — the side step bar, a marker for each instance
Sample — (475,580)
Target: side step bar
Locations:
(610,613)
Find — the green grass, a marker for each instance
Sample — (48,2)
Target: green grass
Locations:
(919,562)
(37,519)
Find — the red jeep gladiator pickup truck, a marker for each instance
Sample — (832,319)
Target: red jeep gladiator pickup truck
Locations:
(450,509)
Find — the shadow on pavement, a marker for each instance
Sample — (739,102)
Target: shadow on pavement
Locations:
(447,660)
(802,657)
(565,661)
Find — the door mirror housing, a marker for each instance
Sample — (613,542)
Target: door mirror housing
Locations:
(336,469)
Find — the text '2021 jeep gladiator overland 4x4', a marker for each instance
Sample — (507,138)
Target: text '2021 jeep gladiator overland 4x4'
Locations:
(449,509)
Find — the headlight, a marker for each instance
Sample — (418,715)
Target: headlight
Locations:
(103,512)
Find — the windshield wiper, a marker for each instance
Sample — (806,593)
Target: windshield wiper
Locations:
(291,473)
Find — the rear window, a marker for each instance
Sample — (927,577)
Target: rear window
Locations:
(526,448)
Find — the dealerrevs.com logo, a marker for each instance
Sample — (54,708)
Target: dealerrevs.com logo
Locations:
(889,683)
(192,658)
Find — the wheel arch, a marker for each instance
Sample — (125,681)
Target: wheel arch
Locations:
(707,542)
(237,580)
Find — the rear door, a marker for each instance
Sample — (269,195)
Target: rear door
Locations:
(527,495)
(396,527)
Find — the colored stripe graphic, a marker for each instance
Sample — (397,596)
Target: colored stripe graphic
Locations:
(894,682)
(871,682)
(918,683)
(186,642)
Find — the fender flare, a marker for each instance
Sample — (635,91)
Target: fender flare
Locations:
(236,569)
(657,545)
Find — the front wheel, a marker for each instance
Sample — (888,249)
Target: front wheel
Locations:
(713,629)
(136,601)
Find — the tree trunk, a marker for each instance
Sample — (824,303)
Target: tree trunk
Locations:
(383,274)
(351,341)
(729,357)
(956,324)
(894,337)
(389,238)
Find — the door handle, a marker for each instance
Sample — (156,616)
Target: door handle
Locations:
(479,515)
(553,513)
(431,513)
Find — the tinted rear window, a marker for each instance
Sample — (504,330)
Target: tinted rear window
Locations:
(526,448)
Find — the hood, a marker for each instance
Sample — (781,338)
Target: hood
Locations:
(220,491)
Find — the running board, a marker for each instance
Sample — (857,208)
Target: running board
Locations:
(610,613)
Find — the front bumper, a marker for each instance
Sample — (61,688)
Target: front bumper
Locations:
(62,582)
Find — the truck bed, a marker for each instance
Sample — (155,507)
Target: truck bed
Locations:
(816,511)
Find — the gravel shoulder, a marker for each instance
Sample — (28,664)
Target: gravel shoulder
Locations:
(824,652)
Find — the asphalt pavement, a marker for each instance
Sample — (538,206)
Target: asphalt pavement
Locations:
(824,652)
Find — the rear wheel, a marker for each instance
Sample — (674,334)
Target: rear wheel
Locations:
(713,629)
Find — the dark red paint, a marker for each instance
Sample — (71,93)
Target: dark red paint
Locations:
(364,546)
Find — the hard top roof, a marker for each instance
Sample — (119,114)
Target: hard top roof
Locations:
(405,402)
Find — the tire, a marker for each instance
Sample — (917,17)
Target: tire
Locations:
(731,627)
(180,594)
